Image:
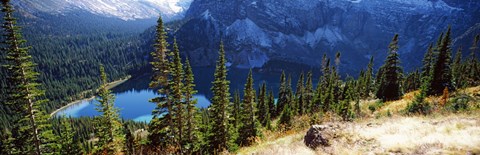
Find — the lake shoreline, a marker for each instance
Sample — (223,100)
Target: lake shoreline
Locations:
(110,86)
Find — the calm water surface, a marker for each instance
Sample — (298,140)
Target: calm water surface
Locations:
(132,97)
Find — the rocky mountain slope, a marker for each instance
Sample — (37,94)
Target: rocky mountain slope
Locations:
(257,31)
(123,9)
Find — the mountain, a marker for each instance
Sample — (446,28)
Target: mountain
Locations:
(258,31)
(122,9)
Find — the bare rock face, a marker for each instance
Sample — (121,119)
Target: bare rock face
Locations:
(319,135)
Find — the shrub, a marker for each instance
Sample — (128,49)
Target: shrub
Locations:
(419,105)
(459,103)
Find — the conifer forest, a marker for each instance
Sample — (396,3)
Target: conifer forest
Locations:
(234,78)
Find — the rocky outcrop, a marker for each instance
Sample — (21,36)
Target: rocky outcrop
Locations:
(258,31)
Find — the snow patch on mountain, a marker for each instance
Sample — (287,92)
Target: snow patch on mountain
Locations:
(328,33)
(246,31)
(123,9)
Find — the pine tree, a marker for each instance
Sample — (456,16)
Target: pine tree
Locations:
(282,94)
(427,62)
(263,109)
(129,140)
(271,105)
(389,88)
(109,129)
(457,73)
(221,136)
(308,93)
(177,97)
(285,122)
(249,128)
(441,73)
(368,81)
(473,65)
(236,109)
(31,131)
(291,96)
(69,145)
(161,126)
(192,139)
(299,95)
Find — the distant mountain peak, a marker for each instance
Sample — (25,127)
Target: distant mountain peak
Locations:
(123,9)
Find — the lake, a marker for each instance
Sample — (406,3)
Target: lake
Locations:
(132,97)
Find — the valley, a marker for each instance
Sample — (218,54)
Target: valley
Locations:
(239,77)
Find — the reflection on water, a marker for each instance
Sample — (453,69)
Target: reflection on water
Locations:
(132,97)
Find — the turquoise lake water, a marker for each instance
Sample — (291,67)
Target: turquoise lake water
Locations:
(132,97)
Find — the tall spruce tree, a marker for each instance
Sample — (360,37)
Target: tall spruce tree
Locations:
(299,95)
(473,65)
(282,94)
(177,97)
(161,126)
(31,131)
(368,81)
(249,124)
(191,139)
(222,136)
(457,72)
(109,128)
(391,77)
(69,144)
(271,105)
(441,71)
(308,93)
(236,109)
(263,109)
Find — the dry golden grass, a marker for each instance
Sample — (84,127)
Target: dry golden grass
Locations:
(451,134)
(440,133)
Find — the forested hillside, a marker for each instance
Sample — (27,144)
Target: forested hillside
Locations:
(42,71)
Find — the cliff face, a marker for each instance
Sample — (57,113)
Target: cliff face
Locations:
(256,31)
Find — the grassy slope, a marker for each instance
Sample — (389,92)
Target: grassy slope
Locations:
(442,132)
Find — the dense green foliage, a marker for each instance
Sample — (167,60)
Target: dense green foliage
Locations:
(29,131)
(108,126)
(391,74)
(178,127)
(222,134)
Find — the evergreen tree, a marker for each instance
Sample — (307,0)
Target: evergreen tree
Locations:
(129,140)
(299,95)
(192,139)
(457,72)
(368,81)
(414,81)
(67,140)
(389,88)
(427,62)
(282,94)
(222,134)
(236,109)
(271,105)
(177,97)
(473,65)
(161,126)
(109,131)
(263,109)
(441,73)
(249,128)
(308,93)
(285,122)
(31,131)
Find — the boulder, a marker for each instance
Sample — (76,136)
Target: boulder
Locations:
(318,135)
